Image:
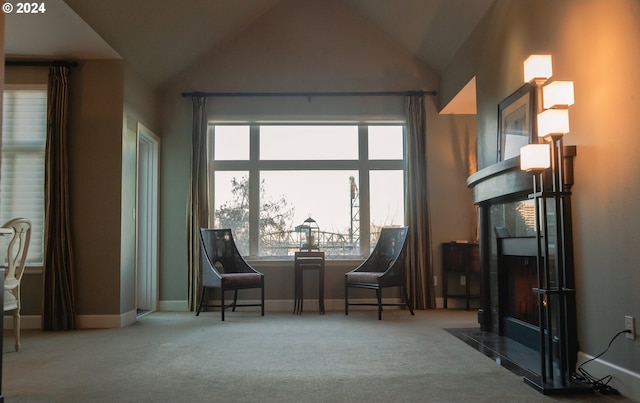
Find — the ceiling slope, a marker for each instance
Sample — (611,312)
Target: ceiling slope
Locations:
(58,33)
(159,38)
(432,30)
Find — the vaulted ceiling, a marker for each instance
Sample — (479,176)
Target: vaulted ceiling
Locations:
(159,38)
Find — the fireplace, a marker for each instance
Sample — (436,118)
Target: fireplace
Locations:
(522,278)
(518,315)
(509,252)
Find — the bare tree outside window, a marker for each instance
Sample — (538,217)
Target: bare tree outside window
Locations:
(276,216)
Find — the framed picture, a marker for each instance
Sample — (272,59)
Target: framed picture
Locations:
(515,122)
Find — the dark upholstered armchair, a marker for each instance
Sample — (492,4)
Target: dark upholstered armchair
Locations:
(224,268)
(385,267)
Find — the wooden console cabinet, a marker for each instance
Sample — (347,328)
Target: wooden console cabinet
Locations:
(459,260)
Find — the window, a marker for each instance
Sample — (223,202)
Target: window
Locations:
(24,122)
(266,180)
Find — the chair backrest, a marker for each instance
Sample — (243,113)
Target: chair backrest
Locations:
(391,244)
(18,247)
(219,247)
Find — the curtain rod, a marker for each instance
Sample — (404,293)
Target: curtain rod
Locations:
(40,63)
(307,94)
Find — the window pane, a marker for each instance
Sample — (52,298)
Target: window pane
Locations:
(297,181)
(231,143)
(290,197)
(23,160)
(385,143)
(231,205)
(387,201)
(308,142)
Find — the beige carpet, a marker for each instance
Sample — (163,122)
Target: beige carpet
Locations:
(178,357)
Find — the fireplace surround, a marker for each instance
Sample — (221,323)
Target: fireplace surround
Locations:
(509,304)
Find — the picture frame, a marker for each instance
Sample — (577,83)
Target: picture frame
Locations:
(515,122)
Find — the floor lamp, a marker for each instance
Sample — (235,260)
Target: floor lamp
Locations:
(545,161)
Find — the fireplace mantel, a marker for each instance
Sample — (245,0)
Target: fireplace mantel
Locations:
(500,181)
(505,180)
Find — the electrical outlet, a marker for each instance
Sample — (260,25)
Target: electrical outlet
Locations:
(435,281)
(630,324)
(463,280)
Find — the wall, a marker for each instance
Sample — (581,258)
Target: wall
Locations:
(596,44)
(95,168)
(451,142)
(140,106)
(283,52)
(106,102)
(94,151)
(127,218)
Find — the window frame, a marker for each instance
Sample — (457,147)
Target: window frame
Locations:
(254,165)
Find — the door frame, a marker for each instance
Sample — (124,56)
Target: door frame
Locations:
(147,219)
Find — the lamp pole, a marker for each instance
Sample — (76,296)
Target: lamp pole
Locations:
(556,295)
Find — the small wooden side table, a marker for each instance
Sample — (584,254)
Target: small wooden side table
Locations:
(459,259)
(308,261)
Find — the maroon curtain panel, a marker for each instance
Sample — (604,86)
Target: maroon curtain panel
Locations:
(58,311)
(419,248)
(197,203)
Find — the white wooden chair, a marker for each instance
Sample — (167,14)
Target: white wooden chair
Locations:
(16,260)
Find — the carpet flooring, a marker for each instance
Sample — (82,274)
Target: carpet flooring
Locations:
(178,357)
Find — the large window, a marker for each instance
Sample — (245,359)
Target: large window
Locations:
(24,123)
(266,180)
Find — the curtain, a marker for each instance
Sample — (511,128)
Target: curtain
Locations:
(197,203)
(419,249)
(58,296)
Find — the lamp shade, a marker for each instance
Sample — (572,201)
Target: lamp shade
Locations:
(558,93)
(535,157)
(553,121)
(537,66)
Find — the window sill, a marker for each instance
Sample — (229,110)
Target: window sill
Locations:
(33,270)
(288,263)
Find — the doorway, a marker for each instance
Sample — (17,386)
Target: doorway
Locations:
(147,221)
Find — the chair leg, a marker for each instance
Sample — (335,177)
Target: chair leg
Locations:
(16,328)
(379,295)
(295,291)
(262,300)
(235,299)
(202,291)
(406,298)
(222,303)
(346,298)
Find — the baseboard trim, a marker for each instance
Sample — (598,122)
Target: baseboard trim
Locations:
(26,322)
(128,318)
(105,321)
(625,381)
(173,306)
